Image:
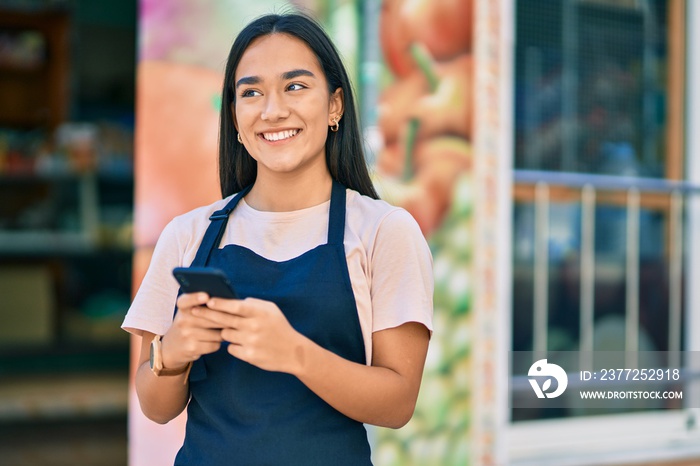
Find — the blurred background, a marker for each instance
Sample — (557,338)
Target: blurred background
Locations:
(543,146)
(67,91)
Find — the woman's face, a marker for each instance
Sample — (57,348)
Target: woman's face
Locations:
(283,108)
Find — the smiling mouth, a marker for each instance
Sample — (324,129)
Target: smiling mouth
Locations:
(280,135)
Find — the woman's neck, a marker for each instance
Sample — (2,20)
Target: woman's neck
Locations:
(288,194)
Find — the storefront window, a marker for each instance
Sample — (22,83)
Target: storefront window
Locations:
(597,206)
(591,86)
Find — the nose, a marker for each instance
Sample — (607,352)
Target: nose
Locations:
(274,108)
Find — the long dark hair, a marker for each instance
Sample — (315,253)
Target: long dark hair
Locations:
(344,154)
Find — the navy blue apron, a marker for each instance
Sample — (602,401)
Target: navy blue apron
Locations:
(239,414)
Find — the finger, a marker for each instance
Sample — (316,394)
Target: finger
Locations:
(248,307)
(220,319)
(232,335)
(200,350)
(213,347)
(241,352)
(193,330)
(189,317)
(212,335)
(229,306)
(210,318)
(187,300)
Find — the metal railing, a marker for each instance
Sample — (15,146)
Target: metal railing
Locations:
(634,189)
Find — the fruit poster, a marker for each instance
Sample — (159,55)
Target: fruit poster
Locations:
(426,165)
(445,157)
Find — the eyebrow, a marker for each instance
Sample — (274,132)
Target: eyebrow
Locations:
(248,80)
(296,73)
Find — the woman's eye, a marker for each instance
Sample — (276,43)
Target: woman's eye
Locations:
(295,87)
(249,93)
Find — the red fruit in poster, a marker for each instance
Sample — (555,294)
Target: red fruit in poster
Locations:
(446,154)
(396,104)
(410,196)
(437,164)
(390,160)
(176,142)
(445,27)
(395,38)
(450,108)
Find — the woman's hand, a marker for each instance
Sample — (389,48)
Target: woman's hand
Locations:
(382,394)
(190,336)
(257,330)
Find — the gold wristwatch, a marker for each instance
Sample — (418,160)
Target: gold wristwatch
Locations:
(157,360)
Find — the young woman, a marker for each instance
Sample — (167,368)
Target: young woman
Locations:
(335,314)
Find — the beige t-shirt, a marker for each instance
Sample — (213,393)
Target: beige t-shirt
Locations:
(389,261)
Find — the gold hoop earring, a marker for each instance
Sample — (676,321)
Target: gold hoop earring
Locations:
(336,126)
(239,138)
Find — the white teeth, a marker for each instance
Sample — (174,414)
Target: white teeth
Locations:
(280,135)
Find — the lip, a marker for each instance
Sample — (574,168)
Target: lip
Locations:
(278,130)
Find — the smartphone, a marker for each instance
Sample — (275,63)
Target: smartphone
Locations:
(210,280)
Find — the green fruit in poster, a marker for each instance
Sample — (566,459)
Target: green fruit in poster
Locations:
(391,453)
(463,198)
(459,338)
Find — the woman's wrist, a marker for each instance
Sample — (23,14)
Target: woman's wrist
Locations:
(169,361)
(302,351)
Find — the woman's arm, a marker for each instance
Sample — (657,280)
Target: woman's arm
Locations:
(382,394)
(161,398)
(164,398)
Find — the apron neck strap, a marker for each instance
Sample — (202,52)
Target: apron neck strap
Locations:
(336,218)
(215,231)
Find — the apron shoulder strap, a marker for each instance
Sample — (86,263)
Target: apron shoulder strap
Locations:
(336,217)
(215,230)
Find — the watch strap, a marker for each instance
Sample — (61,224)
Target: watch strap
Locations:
(177,371)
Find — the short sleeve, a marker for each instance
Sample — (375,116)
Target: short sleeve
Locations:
(154,303)
(401,274)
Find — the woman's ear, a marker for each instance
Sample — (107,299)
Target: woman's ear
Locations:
(336,107)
